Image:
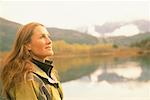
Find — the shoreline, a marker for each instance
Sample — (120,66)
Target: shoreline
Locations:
(120,52)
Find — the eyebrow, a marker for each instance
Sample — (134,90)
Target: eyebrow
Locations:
(45,34)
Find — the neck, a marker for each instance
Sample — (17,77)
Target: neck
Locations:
(39,59)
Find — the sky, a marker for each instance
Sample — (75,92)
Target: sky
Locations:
(73,14)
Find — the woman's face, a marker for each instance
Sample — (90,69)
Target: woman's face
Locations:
(41,44)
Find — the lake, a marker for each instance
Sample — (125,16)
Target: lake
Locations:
(105,78)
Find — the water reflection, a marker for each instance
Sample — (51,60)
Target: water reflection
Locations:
(74,68)
(97,69)
(106,78)
(123,72)
(79,90)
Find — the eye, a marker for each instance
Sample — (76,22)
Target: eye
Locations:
(42,36)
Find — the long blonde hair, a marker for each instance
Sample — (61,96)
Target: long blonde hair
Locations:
(16,65)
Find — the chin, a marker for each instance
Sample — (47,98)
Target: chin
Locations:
(51,53)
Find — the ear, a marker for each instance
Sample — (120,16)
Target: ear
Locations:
(28,46)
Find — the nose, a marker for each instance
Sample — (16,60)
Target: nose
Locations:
(48,40)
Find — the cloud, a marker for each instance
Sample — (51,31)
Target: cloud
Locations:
(91,30)
(127,30)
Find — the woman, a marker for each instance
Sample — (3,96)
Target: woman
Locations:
(27,74)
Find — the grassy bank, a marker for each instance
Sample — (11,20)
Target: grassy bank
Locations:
(63,49)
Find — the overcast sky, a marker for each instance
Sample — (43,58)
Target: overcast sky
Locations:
(65,14)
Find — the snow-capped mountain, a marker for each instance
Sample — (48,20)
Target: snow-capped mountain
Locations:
(117,28)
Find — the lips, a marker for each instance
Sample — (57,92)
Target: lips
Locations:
(48,47)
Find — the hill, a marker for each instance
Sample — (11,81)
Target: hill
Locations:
(144,44)
(72,36)
(8,30)
(127,41)
(7,33)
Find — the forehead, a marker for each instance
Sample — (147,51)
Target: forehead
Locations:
(40,30)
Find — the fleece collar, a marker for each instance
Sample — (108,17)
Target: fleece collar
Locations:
(43,70)
(46,67)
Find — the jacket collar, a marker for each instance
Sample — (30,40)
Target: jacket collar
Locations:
(44,69)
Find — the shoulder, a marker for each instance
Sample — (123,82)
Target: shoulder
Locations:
(32,77)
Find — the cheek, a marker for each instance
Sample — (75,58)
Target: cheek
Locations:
(37,47)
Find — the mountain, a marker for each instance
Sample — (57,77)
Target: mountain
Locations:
(117,28)
(143,25)
(72,36)
(145,44)
(108,27)
(8,30)
(7,33)
(127,41)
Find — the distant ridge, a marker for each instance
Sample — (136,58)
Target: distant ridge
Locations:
(8,30)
